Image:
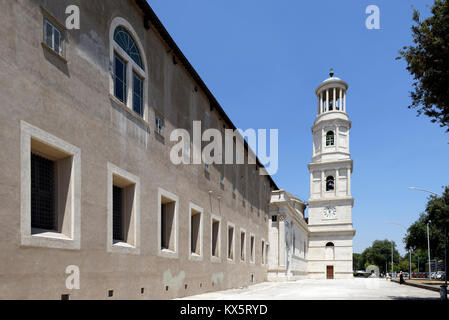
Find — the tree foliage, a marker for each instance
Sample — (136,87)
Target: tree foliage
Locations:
(438,213)
(379,254)
(428,63)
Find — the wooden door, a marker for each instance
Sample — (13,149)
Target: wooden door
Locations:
(330,272)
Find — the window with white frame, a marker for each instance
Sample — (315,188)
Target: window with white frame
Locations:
(215,237)
(231,241)
(128,67)
(53,37)
(252,248)
(263,252)
(242,245)
(123,211)
(50,190)
(168,223)
(196,231)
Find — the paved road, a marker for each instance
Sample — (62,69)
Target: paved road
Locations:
(353,289)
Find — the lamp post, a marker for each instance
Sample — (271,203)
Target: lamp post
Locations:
(392,262)
(409,252)
(443,291)
(428,247)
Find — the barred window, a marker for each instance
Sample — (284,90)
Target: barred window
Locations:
(42,193)
(117,215)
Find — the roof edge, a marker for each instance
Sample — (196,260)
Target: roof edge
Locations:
(151,17)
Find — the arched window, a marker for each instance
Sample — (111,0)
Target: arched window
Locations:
(330,183)
(330,139)
(128,66)
(330,251)
(126,42)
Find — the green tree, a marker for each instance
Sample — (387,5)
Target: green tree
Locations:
(379,254)
(438,213)
(428,63)
(357,262)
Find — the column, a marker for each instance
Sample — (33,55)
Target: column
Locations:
(334,98)
(281,241)
(340,105)
(344,101)
(321,102)
(311,184)
(319,111)
(349,182)
(337,176)
(327,100)
(323,184)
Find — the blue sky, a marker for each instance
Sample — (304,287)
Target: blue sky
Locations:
(263,61)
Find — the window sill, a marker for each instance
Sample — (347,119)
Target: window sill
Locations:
(129,110)
(167,253)
(122,244)
(159,134)
(51,51)
(49,239)
(123,248)
(231,261)
(195,257)
(215,259)
(48,234)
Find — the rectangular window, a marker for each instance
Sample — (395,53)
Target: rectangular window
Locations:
(137,94)
(242,245)
(263,252)
(53,37)
(123,211)
(230,242)
(117,214)
(120,81)
(43,194)
(50,189)
(167,224)
(253,240)
(274,218)
(195,230)
(215,238)
(159,125)
(207,120)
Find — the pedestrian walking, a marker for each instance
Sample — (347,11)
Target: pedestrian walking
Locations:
(401,277)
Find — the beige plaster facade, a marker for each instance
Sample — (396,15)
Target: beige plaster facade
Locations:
(62,107)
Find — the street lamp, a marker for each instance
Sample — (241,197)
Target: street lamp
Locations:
(428,247)
(443,291)
(409,252)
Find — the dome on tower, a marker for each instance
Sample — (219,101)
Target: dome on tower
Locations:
(331,94)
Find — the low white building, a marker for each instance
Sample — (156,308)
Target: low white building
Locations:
(288,232)
(321,246)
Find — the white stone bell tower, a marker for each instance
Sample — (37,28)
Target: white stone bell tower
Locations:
(330,204)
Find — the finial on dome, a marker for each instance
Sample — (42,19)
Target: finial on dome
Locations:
(331,73)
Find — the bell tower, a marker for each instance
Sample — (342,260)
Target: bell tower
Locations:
(330,203)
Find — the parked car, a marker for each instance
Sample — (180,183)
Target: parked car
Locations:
(405,274)
(414,275)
